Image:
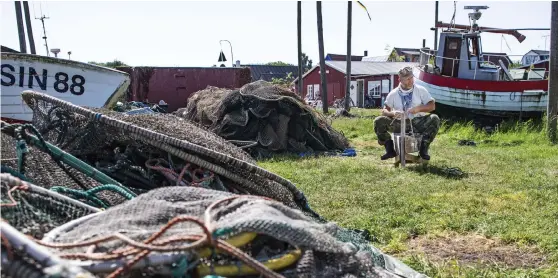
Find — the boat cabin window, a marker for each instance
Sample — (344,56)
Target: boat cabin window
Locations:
(473,46)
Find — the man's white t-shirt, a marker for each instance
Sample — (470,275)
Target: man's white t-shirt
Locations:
(421,96)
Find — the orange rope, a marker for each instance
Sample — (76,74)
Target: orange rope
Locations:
(142,249)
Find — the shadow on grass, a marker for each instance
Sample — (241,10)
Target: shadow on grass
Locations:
(445,172)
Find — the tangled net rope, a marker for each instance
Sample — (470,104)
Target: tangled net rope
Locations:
(25,154)
(195,224)
(264,119)
(148,151)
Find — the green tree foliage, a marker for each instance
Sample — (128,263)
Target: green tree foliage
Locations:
(114,64)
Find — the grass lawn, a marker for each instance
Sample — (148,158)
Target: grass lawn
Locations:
(498,217)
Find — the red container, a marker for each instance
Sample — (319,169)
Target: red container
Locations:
(175,85)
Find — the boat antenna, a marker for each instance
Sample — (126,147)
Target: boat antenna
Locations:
(452,21)
(476,15)
(42,18)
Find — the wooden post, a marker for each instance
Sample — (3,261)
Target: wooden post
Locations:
(299,35)
(323,68)
(29,27)
(436,29)
(552,109)
(20,30)
(348,70)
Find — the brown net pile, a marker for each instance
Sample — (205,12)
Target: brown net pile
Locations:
(263,118)
(148,151)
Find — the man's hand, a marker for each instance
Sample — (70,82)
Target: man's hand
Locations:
(414,110)
(398,114)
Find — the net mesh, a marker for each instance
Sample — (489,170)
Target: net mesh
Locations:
(273,231)
(35,213)
(39,166)
(148,151)
(276,119)
(201,227)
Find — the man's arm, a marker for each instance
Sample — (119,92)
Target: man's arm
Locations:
(429,107)
(388,112)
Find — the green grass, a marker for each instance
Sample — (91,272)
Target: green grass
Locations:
(509,191)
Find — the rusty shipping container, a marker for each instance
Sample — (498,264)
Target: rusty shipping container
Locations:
(175,85)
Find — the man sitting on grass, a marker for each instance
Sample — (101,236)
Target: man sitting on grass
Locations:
(417,102)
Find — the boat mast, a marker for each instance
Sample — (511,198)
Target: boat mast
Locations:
(474,16)
(42,18)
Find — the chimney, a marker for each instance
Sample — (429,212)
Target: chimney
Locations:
(238,63)
(365,53)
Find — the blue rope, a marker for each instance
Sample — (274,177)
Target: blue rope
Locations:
(181,269)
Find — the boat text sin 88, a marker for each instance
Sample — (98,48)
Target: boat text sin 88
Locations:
(62,81)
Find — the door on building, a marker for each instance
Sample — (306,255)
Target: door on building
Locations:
(452,51)
(353,93)
(360,92)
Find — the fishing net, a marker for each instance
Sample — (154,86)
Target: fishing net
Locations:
(30,210)
(147,151)
(181,231)
(27,155)
(263,118)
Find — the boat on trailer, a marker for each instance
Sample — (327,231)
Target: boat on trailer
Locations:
(461,78)
(80,83)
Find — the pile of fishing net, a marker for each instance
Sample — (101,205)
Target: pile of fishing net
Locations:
(181,231)
(263,118)
(177,202)
(147,151)
(27,155)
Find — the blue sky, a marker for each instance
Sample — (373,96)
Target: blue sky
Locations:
(187,33)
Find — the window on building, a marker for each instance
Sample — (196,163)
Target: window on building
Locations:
(310,92)
(375,88)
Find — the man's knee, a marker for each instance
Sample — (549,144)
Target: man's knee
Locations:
(381,120)
(434,120)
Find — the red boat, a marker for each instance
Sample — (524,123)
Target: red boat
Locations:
(460,77)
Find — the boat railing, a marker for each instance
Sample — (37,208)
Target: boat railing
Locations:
(534,73)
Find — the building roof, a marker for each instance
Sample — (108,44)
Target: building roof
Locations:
(360,68)
(409,51)
(267,72)
(539,52)
(341,57)
(370,68)
(7,49)
(383,58)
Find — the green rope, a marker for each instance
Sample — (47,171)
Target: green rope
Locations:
(90,196)
(6,169)
(80,194)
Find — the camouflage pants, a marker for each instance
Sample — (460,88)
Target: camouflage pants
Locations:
(427,126)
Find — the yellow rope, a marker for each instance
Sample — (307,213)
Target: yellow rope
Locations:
(241,270)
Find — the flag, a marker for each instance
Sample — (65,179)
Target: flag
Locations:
(364,7)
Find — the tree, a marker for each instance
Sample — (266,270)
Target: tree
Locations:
(348,70)
(113,64)
(306,63)
(285,82)
(299,44)
(279,63)
(323,90)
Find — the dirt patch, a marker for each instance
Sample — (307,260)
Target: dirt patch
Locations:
(476,249)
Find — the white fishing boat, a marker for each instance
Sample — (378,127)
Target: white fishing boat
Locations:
(460,77)
(77,82)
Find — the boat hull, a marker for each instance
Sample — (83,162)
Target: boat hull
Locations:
(76,82)
(498,98)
